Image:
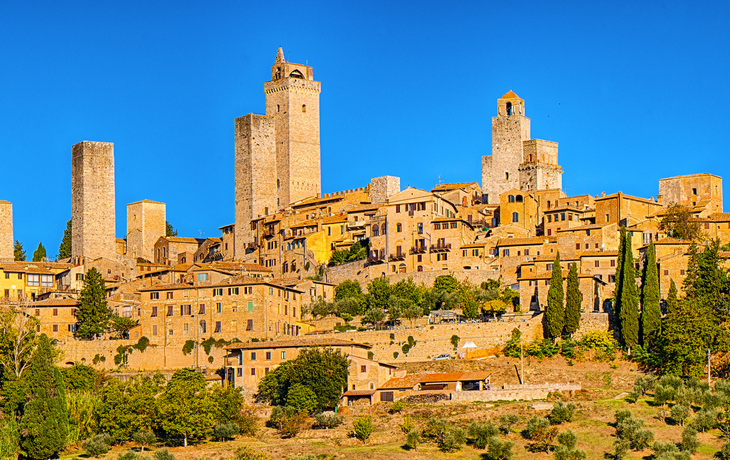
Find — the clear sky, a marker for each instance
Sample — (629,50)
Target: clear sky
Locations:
(632,91)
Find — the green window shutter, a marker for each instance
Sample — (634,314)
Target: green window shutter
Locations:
(250,306)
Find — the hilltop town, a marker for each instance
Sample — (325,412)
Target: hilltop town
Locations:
(211,303)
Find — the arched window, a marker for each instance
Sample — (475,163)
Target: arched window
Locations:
(549,204)
(399,227)
(509,108)
(286,267)
(304,108)
(511,199)
(296,74)
(518,198)
(376,230)
(402,268)
(383,229)
(202,326)
(515,217)
(420,268)
(293,266)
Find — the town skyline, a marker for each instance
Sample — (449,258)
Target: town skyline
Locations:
(399,119)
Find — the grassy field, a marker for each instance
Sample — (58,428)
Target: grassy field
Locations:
(605,387)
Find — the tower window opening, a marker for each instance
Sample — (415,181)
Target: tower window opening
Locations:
(518,198)
(506,176)
(278,108)
(296,74)
(509,108)
(304,108)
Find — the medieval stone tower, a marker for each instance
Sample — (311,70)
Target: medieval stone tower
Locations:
(277,156)
(92,206)
(517,162)
(6,231)
(146,223)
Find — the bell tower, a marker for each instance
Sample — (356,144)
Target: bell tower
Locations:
(510,128)
(292,99)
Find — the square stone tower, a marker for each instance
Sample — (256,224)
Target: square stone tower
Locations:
(6,231)
(92,206)
(255,175)
(510,129)
(540,170)
(292,99)
(146,223)
(693,190)
(383,187)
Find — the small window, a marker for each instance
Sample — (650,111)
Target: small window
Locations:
(253,371)
(268,356)
(363,368)
(515,217)
(597,264)
(304,108)
(154,311)
(283,355)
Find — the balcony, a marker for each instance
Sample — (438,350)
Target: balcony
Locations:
(441,247)
(375,259)
(397,257)
(269,232)
(419,249)
(356,225)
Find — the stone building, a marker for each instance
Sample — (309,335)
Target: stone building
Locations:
(146,223)
(277,160)
(6,231)
(517,162)
(693,190)
(92,206)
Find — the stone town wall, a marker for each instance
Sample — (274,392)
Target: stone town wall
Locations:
(514,392)
(92,206)
(6,231)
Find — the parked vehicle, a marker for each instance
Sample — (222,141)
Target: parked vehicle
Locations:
(443,357)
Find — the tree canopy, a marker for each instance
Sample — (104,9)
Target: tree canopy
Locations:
(18,251)
(94,313)
(39,255)
(679,223)
(64,250)
(555,313)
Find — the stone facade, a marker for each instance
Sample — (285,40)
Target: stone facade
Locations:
(540,170)
(6,231)
(693,190)
(382,188)
(146,223)
(92,206)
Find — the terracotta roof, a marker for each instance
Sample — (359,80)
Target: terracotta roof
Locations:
(445,187)
(296,343)
(510,95)
(364,207)
(55,303)
(521,241)
(26,267)
(582,227)
(166,287)
(720,216)
(442,377)
(229,225)
(334,219)
(473,245)
(409,381)
(359,393)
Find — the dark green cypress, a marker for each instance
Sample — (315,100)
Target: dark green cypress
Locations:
(44,424)
(651,313)
(555,313)
(572,302)
(689,285)
(672,298)
(94,312)
(618,278)
(629,312)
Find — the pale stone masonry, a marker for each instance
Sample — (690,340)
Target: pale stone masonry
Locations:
(693,190)
(92,206)
(6,231)
(382,188)
(146,223)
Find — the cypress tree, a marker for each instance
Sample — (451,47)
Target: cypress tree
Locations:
(651,313)
(94,312)
(629,313)
(618,278)
(40,253)
(672,299)
(44,425)
(555,314)
(64,250)
(690,281)
(572,302)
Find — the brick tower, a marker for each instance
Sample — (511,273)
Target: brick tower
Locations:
(92,206)
(6,231)
(146,223)
(292,98)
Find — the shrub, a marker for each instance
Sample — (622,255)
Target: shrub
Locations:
(291,425)
(301,398)
(541,433)
(163,454)
(248,453)
(561,413)
(545,348)
(436,429)
(362,428)
(407,426)
(413,438)
(725,451)
(499,450)
(397,407)
(327,420)
(567,439)
(129,455)
(248,422)
(507,421)
(144,439)
(481,433)
(98,445)
(680,413)
(706,419)
(225,431)
(643,384)
(512,349)
(631,430)
(620,448)
(303,457)
(660,448)
(278,413)
(673,456)
(602,343)
(454,439)
(690,443)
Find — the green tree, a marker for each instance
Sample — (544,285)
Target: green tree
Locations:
(349,289)
(679,223)
(555,314)
(445,284)
(18,251)
(688,331)
(373,316)
(379,293)
(572,302)
(672,298)
(128,407)
(407,289)
(64,250)
(301,398)
(619,274)
(629,312)
(186,408)
(94,313)
(690,281)
(44,425)
(169,229)
(651,314)
(39,254)
(121,325)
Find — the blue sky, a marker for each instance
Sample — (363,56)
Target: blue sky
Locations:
(632,91)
